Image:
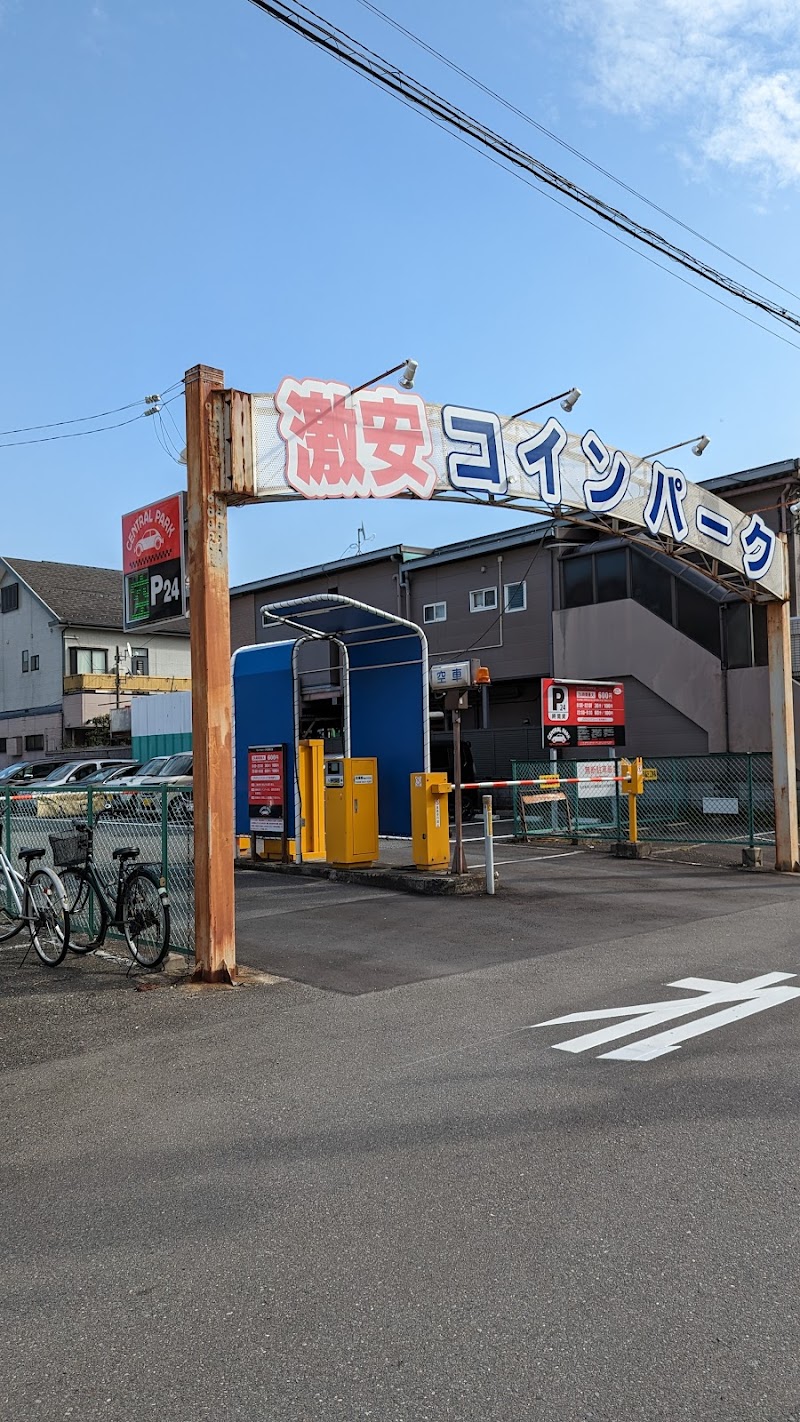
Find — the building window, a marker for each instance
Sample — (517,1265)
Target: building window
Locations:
(483,600)
(611,574)
(34,743)
(651,586)
(9,597)
(35,662)
(738,635)
(434,612)
(140,661)
(24,661)
(3,744)
(83,661)
(515,597)
(697,616)
(576,582)
(760,653)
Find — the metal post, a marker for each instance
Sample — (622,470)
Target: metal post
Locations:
(459,865)
(633,820)
(750,807)
(488,843)
(781,716)
(165,836)
(209,626)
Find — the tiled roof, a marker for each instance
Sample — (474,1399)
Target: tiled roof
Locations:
(81,596)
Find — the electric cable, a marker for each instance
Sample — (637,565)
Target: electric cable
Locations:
(569,147)
(357,56)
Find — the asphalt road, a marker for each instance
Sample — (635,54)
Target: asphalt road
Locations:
(406,1204)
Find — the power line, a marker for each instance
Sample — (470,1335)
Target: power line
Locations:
(84,419)
(402,86)
(76,434)
(569,148)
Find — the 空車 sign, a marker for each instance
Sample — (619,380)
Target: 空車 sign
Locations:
(590,713)
(314,439)
(153,567)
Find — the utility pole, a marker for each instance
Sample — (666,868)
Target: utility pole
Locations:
(210,643)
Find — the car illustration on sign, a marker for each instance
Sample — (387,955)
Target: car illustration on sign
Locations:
(152,540)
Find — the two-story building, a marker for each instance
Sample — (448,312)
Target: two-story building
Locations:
(559,599)
(65,662)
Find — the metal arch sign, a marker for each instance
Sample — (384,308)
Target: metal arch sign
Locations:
(313,439)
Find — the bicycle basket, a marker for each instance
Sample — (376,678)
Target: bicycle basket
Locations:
(69,849)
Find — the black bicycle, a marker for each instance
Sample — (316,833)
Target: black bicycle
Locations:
(138,902)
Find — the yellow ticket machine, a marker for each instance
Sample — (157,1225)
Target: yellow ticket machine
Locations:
(430,829)
(351,810)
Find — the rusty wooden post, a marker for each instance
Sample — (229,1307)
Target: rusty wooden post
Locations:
(781,716)
(210,641)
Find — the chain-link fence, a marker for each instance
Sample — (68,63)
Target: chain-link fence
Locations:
(157,820)
(573,799)
(698,799)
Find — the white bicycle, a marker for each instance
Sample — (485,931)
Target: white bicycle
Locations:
(36,901)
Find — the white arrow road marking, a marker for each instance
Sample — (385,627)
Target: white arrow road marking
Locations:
(753,995)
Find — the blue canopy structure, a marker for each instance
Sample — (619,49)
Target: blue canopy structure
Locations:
(384,662)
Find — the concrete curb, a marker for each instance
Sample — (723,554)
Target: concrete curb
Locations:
(409,881)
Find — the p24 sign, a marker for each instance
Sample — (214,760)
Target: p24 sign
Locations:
(153,563)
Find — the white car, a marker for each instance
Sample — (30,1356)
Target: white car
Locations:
(148,541)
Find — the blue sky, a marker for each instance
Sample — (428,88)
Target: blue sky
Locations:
(188,182)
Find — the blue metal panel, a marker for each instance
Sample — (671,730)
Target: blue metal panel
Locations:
(387,691)
(263,702)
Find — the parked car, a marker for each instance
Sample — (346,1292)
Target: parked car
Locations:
(176,774)
(75,801)
(125,802)
(24,772)
(70,773)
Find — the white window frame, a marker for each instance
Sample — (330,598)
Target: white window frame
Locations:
(438,610)
(477,600)
(507,588)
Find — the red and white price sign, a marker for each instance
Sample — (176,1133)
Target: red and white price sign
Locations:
(590,713)
(266,789)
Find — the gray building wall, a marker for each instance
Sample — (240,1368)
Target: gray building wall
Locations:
(613,640)
(513,645)
(376,583)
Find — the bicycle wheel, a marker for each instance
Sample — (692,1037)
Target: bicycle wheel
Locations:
(145,918)
(87,913)
(49,921)
(12,919)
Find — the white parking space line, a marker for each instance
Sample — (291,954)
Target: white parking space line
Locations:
(251,915)
(529,858)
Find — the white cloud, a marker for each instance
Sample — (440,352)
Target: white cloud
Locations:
(729,69)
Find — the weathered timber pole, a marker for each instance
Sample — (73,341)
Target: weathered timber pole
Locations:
(212,720)
(781,716)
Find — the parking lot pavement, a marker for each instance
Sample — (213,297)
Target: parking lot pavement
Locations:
(349,939)
(420,1205)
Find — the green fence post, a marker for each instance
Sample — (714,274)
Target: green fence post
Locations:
(164,839)
(8,823)
(90,823)
(750,807)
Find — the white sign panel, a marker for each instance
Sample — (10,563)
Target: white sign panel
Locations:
(449,674)
(313,439)
(596,779)
(740,999)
